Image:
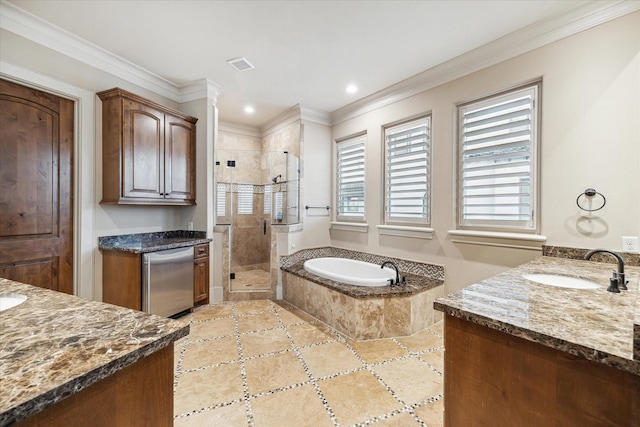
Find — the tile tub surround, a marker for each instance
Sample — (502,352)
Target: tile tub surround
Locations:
(594,324)
(151,242)
(365,313)
(55,345)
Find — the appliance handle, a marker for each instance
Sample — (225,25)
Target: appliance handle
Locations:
(146,291)
(264,227)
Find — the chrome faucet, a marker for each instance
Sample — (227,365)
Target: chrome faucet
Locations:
(617,280)
(395,267)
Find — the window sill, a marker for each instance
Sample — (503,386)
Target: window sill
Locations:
(493,238)
(350,226)
(406,231)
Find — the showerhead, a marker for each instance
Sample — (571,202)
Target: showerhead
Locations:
(275,179)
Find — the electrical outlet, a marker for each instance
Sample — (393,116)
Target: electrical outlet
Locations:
(629,243)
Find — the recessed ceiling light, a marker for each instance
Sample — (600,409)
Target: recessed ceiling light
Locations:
(240,64)
(352,88)
(249,109)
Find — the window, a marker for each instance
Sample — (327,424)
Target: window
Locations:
(407,172)
(497,161)
(221,196)
(245,199)
(350,168)
(267,199)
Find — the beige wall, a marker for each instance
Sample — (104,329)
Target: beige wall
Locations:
(590,138)
(49,70)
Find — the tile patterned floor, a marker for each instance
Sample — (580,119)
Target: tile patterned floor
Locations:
(251,280)
(266,363)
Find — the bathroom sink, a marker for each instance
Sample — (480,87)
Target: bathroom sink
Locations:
(561,281)
(11,300)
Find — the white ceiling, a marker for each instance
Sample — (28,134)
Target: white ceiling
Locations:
(305,52)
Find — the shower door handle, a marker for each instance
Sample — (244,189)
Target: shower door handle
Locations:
(264,227)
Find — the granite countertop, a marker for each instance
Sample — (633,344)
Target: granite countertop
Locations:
(54,345)
(151,242)
(594,324)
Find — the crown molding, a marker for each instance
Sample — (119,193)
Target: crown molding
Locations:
(517,43)
(316,116)
(281,120)
(199,89)
(240,129)
(37,30)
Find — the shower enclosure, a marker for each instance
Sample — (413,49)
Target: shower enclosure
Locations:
(255,191)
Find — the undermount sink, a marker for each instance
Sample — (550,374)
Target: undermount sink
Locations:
(561,281)
(11,300)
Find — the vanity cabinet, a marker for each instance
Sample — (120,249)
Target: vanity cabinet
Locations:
(148,152)
(201,275)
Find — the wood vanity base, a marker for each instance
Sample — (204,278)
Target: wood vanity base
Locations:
(495,379)
(139,395)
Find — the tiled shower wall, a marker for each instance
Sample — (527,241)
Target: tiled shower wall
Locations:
(251,246)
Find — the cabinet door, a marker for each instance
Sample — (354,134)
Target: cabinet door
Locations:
(179,179)
(143,151)
(201,281)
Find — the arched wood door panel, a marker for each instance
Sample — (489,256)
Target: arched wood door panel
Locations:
(36,187)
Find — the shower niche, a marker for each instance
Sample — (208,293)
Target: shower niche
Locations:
(255,191)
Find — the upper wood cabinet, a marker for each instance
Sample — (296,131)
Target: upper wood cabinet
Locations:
(148,152)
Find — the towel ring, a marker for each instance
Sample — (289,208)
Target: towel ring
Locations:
(590,192)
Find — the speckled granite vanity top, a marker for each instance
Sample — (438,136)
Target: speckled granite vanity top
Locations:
(595,324)
(151,242)
(54,345)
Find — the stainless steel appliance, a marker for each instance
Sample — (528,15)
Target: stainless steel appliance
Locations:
(167,281)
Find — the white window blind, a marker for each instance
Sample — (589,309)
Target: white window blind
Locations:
(407,173)
(245,199)
(498,146)
(350,169)
(267,199)
(221,199)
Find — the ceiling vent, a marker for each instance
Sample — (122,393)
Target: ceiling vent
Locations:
(240,64)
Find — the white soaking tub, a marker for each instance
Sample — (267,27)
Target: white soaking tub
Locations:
(350,271)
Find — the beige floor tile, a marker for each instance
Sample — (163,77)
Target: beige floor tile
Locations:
(262,342)
(299,407)
(228,416)
(252,307)
(307,333)
(272,372)
(423,340)
(210,353)
(211,329)
(438,328)
(294,316)
(435,359)
(377,350)
(432,413)
(213,311)
(329,359)
(403,419)
(283,305)
(257,322)
(409,379)
(208,387)
(357,397)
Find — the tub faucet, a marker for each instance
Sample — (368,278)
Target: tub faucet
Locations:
(395,267)
(617,280)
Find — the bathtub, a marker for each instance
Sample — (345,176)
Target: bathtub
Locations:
(350,271)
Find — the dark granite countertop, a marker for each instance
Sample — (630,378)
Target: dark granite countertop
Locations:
(152,242)
(54,345)
(595,324)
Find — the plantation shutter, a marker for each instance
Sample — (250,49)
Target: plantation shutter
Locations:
(267,199)
(350,180)
(407,172)
(497,161)
(245,199)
